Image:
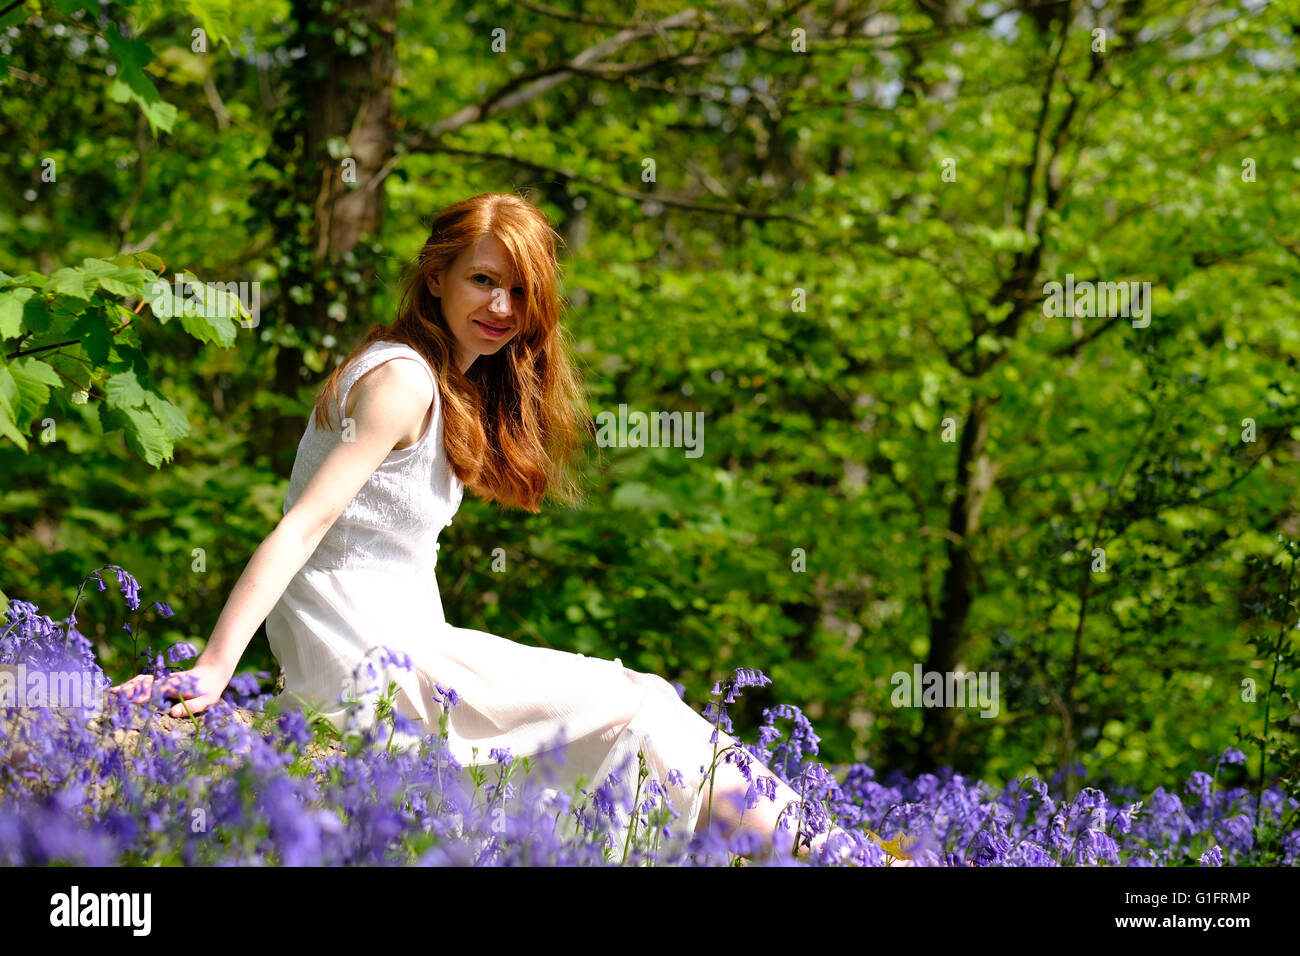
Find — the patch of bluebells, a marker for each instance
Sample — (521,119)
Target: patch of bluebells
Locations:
(275,792)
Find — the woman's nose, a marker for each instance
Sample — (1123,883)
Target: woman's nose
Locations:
(501,302)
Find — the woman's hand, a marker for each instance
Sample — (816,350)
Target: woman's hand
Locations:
(208,683)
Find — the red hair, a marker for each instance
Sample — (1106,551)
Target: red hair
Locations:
(511,423)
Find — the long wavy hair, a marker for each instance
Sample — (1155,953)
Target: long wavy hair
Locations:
(512,423)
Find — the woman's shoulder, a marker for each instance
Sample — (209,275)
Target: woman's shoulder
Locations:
(381,352)
(375,370)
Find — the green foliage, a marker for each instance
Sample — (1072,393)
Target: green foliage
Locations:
(73,340)
(809,280)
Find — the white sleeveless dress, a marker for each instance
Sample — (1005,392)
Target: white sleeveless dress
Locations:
(371,582)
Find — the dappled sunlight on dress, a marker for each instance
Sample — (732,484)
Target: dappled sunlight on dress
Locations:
(371,583)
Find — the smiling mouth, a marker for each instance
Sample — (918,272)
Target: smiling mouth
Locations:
(493,328)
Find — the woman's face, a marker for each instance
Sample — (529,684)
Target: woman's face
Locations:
(481,298)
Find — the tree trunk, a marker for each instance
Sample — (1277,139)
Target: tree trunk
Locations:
(949,633)
(335,92)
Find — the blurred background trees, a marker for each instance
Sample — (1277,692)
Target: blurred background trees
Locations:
(826,226)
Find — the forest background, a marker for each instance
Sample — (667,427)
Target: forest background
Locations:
(830,227)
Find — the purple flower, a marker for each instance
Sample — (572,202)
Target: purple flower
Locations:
(1199,784)
(294,727)
(245,685)
(181,651)
(605,798)
(743,677)
(1291,848)
(1097,845)
(395,803)
(1238,833)
(789,754)
(1040,788)
(767,734)
(164,608)
(742,761)
(130,588)
(389,657)
(1089,798)
(1123,819)
(750,677)
(717,715)
(1232,755)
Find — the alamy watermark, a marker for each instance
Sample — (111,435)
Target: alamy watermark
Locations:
(1089,299)
(653,430)
(946,689)
(185,295)
(75,908)
(21,686)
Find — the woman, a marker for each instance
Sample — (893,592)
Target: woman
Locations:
(486,398)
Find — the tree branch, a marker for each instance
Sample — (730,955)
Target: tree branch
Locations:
(562,172)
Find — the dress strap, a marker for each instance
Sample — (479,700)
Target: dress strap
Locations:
(377,354)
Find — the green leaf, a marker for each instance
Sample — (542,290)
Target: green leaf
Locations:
(215,17)
(11,312)
(174,423)
(206,322)
(160,115)
(123,390)
(145,260)
(70,282)
(114,278)
(205,311)
(7,427)
(148,437)
(126,282)
(143,433)
(8,391)
(98,267)
(32,379)
(132,83)
(95,337)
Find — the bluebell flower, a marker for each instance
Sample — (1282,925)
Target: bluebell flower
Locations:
(244,684)
(181,651)
(1232,756)
(130,588)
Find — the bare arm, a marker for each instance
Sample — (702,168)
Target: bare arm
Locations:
(386,404)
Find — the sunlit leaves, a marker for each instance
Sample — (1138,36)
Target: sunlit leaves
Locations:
(76,313)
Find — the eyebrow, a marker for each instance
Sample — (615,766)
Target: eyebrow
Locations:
(487,269)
